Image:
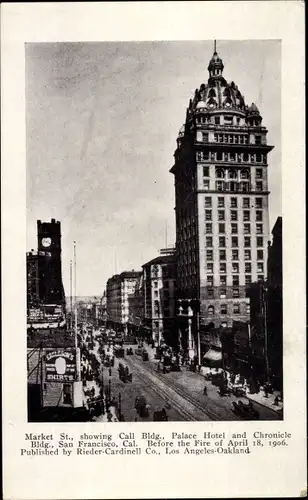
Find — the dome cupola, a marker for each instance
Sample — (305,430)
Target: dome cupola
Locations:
(215,66)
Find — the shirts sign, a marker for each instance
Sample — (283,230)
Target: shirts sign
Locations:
(60,366)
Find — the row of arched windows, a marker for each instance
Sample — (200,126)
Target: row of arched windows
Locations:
(232,173)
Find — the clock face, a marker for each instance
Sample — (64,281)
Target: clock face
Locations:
(46,242)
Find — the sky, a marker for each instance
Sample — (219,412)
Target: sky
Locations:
(102,121)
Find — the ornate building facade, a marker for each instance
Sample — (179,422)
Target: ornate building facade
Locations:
(159,276)
(221,200)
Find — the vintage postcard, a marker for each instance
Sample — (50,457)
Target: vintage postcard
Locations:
(153,250)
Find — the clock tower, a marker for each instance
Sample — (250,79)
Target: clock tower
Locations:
(50,268)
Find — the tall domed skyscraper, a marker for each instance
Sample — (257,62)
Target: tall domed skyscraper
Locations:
(221,193)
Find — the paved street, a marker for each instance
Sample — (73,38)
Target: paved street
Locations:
(181,393)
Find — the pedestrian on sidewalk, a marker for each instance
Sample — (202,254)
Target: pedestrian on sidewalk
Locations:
(276,401)
(265,391)
(205,390)
(110,371)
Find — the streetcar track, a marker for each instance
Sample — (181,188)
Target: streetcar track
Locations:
(164,395)
(209,413)
(145,374)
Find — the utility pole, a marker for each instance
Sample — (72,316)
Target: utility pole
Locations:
(71,297)
(76,323)
(264,299)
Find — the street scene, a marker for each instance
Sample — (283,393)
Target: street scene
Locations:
(154,279)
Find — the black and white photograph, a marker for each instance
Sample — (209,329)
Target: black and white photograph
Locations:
(154,231)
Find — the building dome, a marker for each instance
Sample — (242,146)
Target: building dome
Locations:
(201,104)
(253,110)
(215,66)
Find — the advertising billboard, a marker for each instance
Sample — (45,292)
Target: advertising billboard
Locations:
(60,365)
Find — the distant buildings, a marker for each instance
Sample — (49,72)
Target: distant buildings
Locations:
(120,288)
(159,281)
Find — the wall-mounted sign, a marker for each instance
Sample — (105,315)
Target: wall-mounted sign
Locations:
(60,365)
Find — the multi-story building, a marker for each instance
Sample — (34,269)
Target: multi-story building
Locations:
(275,305)
(159,277)
(118,291)
(136,306)
(221,196)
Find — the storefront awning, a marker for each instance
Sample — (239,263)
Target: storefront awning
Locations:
(212,355)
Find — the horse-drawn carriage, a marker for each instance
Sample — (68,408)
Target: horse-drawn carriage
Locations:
(246,411)
(124,374)
(129,351)
(141,406)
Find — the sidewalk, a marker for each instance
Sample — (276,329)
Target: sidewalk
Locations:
(268,402)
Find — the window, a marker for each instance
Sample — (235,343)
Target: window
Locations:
(244,174)
(236,280)
(156,294)
(217,120)
(222,241)
(221,202)
(222,267)
(259,202)
(233,215)
(246,202)
(221,228)
(233,186)
(259,228)
(223,309)
(259,171)
(260,267)
(247,242)
(206,171)
(222,254)
(246,228)
(208,228)
(206,185)
(260,254)
(259,215)
(233,202)
(259,186)
(235,267)
(222,293)
(234,228)
(210,292)
(245,186)
(221,215)
(209,254)
(209,241)
(208,202)
(236,292)
(234,254)
(210,310)
(258,139)
(247,267)
(220,174)
(209,267)
(219,186)
(205,137)
(210,280)
(247,279)
(247,254)
(234,241)
(246,215)
(208,215)
(259,241)
(232,155)
(236,309)
(260,277)
(223,279)
(232,174)
(219,156)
